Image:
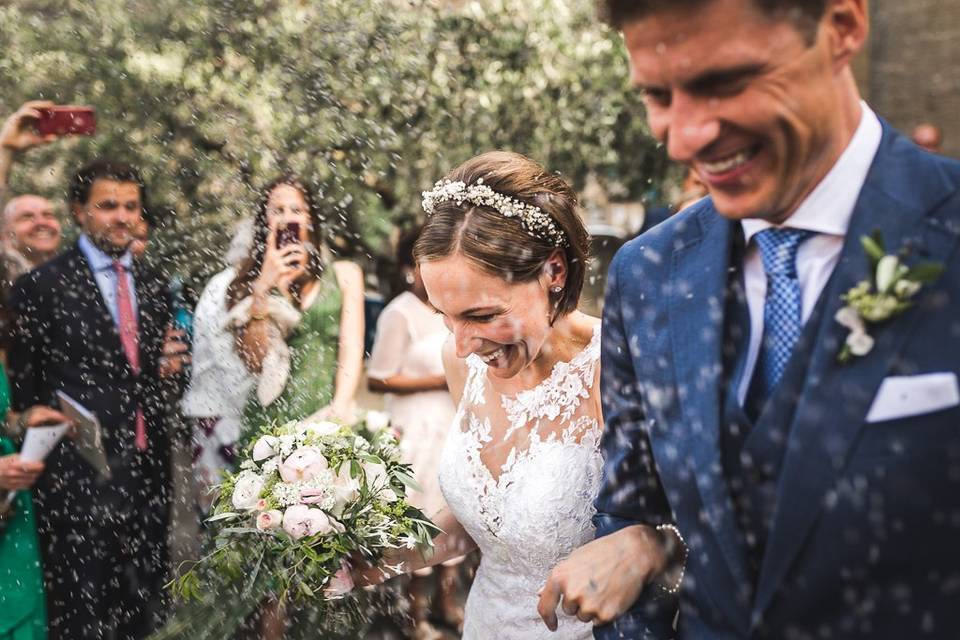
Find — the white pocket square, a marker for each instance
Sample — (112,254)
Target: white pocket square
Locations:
(905,396)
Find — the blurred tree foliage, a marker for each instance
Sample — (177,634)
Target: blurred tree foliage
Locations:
(371,100)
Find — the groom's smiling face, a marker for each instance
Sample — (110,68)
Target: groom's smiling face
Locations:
(504,323)
(750,101)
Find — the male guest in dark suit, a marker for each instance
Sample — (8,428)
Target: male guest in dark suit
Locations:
(807,458)
(94,324)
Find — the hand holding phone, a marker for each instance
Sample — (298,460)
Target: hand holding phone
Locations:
(62,120)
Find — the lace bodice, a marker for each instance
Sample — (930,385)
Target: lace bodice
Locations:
(521,473)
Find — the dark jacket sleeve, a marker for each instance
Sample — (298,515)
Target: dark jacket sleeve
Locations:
(631,492)
(29,342)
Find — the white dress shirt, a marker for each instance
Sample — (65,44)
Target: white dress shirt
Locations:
(826,211)
(106,276)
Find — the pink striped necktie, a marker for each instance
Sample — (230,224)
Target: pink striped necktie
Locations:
(130,341)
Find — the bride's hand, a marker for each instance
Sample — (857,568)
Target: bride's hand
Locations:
(594,581)
(365,574)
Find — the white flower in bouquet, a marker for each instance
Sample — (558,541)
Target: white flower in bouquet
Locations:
(269,520)
(322,497)
(345,488)
(377,421)
(286,444)
(286,493)
(271,465)
(301,520)
(266,447)
(246,492)
(303,464)
(320,429)
(378,481)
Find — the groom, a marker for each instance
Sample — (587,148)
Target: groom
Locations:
(816,498)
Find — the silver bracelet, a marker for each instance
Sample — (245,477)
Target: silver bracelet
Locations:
(683,565)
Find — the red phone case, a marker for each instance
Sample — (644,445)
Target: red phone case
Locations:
(67,121)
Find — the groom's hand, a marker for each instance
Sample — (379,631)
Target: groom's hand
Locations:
(602,579)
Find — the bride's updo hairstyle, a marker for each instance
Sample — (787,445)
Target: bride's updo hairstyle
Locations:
(514,247)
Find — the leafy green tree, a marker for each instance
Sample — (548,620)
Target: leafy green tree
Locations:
(370,100)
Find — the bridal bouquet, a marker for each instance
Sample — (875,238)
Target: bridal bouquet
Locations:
(307,496)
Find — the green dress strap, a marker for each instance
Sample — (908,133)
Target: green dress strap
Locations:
(313,363)
(23,611)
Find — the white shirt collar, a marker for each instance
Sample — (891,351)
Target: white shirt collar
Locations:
(828,208)
(98,259)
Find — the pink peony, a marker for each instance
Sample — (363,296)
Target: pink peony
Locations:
(340,584)
(246,492)
(303,464)
(269,520)
(301,520)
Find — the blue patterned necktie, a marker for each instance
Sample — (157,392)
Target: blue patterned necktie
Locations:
(782,320)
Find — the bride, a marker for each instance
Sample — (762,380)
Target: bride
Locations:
(502,256)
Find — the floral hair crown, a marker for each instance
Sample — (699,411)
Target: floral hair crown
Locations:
(535,222)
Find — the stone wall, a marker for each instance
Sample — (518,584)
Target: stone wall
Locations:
(910,72)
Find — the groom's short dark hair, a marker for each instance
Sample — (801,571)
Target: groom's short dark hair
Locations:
(805,14)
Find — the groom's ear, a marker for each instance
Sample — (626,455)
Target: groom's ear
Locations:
(846,26)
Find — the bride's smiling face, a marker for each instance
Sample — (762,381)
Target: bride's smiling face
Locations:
(504,323)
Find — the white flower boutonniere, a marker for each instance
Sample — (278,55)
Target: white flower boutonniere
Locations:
(889,294)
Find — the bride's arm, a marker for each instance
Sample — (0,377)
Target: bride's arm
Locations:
(454,541)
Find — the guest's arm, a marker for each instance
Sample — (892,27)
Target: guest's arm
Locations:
(389,350)
(350,347)
(16,135)
(281,266)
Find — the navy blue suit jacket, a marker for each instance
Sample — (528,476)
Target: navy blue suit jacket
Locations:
(866,529)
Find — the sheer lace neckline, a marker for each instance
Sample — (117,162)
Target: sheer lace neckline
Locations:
(556,400)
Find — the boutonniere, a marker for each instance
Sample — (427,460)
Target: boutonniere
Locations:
(888,294)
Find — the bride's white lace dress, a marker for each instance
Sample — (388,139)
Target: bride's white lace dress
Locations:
(520,474)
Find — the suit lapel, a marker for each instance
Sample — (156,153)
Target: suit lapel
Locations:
(87,292)
(697,307)
(824,429)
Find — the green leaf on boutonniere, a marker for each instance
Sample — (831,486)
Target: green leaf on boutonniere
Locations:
(925,272)
(873,245)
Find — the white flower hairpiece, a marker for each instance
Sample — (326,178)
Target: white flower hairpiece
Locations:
(535,222)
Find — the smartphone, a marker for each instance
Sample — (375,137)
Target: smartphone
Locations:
(288,234)
(66,120)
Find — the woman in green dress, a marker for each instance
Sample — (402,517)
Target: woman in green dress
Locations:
(298,322)
(23,611)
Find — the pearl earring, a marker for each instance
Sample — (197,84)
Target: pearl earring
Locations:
(556,289)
